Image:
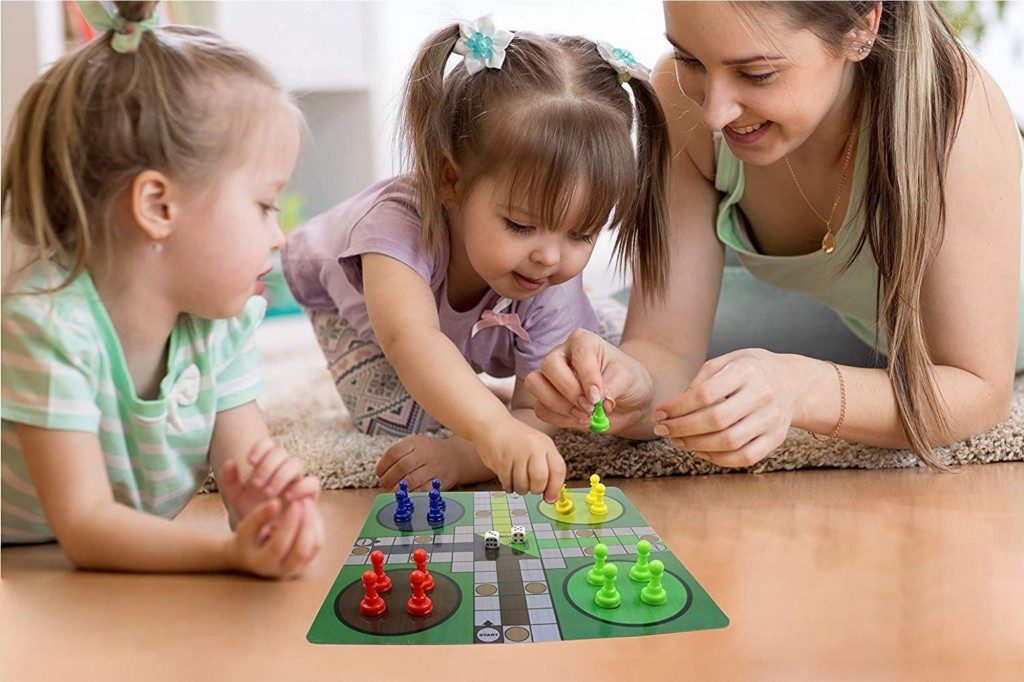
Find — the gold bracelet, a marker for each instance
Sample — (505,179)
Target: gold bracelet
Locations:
(842,407)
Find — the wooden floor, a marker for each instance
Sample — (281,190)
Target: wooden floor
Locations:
(844,575)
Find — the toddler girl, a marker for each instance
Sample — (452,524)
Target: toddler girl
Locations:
(142,172)
(471,263)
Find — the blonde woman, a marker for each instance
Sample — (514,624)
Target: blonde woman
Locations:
(849,151)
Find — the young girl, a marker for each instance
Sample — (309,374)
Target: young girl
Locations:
(142,170)
(851,151)
(472,262)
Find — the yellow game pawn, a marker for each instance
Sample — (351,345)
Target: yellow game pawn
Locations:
(592,496)
(599,508)
(565,504)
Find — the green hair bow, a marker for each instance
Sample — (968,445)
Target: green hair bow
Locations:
(103,16)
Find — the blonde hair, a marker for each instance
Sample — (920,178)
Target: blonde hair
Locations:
(916,77)
(97,118)
(553,120)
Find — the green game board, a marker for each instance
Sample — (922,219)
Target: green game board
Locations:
(537,592)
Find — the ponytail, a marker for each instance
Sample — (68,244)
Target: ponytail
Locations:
(425,128)
(643,237)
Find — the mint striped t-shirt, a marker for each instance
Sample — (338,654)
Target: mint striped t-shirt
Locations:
(63,368)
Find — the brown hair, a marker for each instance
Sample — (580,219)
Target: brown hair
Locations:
(97,118)
(916,78)
(553,120)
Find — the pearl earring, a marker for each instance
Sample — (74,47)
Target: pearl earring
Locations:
(865,46)
(158,247)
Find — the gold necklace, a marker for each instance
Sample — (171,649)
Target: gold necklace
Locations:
(828,242)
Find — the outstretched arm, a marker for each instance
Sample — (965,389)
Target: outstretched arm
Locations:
(434,372)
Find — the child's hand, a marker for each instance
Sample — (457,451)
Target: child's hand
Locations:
(418,460)
(275,473)
(523,458)
(277,546)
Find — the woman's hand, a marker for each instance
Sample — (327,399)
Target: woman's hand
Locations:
(736,410)
(582,371)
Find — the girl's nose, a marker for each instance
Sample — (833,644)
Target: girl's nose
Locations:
(547,252)
(277,238)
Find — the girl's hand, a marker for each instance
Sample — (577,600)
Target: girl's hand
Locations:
(735,411)
(275,473)
(277,546)
(523,458)
(581,371)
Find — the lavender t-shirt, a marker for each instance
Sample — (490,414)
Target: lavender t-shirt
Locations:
(323,268)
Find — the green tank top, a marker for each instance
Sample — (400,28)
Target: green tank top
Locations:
(850,293)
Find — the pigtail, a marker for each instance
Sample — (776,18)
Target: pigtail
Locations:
(425,128)
(41,187)
(643,237)
(920,73)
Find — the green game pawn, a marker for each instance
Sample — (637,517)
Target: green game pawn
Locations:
(654,594)
(641,572)
(595,576)
(608,597)
(598,421)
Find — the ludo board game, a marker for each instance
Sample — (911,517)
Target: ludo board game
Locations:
(535,589)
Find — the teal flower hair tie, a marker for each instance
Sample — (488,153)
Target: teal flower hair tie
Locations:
(481,44)
(623,61)
(103,16)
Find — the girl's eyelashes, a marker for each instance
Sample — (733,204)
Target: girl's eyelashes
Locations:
(517,227)
(268,208)
(759,78)
(580,237)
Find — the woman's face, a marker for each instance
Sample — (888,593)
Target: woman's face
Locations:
(766,86)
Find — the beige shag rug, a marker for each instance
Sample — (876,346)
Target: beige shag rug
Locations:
(307,417)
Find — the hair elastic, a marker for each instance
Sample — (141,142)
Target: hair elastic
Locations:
(103,16)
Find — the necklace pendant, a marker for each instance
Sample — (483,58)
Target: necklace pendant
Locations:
(828,244)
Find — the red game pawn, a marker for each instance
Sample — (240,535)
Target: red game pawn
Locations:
(372,604)
(419,557)
(383,581)
(419,603)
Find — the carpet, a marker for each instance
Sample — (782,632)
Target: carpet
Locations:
(307,417)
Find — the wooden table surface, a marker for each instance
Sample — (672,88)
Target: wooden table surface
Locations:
(825,575)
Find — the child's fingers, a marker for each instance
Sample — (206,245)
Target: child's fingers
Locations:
(308,486)
(290,472)
(391,457)
(277,546)
(307,542)
(556,477)
(521,475)
(229,482)
(537,472)
(250,526)
(267,467)
(259,450)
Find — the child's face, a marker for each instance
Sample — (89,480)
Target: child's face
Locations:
(229,233)
(505,247)
(747,68)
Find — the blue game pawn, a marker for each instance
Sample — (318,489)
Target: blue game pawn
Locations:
(404,487)
(435,515)
(403,512)
(436,485)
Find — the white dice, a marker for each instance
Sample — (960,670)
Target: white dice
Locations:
(491,539)
(518,535)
